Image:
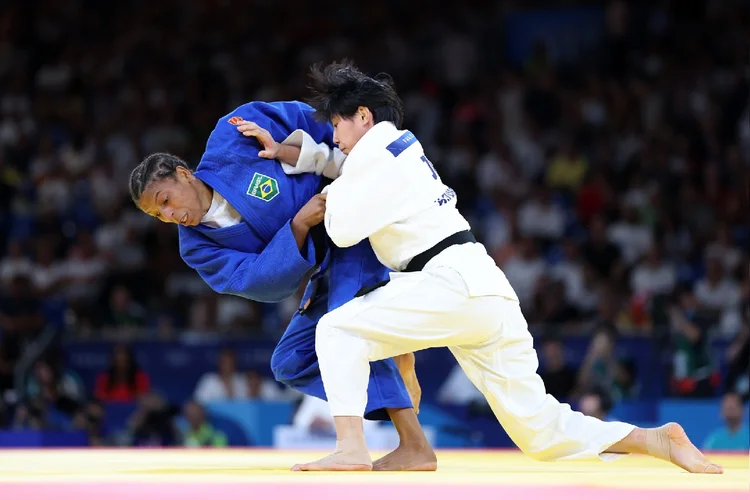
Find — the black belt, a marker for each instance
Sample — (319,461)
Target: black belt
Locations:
(421,260)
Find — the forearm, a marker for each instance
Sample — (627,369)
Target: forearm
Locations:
(288,154)
(309,156)
(300,231)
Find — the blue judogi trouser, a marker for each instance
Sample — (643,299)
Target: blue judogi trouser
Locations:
(295,364)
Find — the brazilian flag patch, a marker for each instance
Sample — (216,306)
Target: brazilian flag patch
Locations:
(263,187)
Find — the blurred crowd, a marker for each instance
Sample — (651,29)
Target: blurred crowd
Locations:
(611,187)
(55,398)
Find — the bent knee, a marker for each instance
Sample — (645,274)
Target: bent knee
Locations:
(279,366)
(326,333)
(331,340)
(292,369)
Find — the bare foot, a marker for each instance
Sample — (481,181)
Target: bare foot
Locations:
(338,461)
(407,458)
(670,442)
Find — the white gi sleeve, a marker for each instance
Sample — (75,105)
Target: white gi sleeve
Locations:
(369,196)
(313,158)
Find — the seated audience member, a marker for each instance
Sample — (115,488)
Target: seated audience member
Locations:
(152,424)
(458,390)
(693,374)
(55,386)
(264,389)
(90,419)
(558,377)
(123,382)
(225,384)
(734,435)
(314,416)
(200,432)
(595,403)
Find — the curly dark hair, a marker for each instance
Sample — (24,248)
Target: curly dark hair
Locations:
(340,88)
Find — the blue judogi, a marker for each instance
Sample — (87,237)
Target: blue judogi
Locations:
(258,259)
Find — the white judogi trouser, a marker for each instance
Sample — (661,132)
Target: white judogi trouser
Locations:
(489,337)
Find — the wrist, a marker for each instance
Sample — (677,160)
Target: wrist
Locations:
(299,225)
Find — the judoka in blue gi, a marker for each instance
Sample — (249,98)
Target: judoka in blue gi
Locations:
(250,230)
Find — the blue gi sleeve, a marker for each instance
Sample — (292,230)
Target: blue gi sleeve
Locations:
(296,115)
(269,276)
(279,118)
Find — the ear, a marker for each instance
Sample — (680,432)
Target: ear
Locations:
(183,173)
(364,114)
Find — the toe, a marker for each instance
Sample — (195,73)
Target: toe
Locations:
(714,469)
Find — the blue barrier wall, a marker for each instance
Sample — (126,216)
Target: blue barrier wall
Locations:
(252,423)
(175,367)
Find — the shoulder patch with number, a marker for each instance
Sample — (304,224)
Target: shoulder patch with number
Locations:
(263,187)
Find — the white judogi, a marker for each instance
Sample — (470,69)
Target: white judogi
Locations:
(388,192)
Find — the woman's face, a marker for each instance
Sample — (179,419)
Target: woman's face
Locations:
(175,199)
(348,131)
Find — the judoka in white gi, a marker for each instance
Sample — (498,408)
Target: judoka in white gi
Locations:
(445,290)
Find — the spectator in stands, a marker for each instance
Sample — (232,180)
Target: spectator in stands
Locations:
(524,271)
(123,382)
(45,274)
(601,253)
(31,415)
(200,432)
(599,366)
(724,249)
(738,356)
(568,167)
(90,418)
(14,264)
(653,276)
(735,435)
(225,384)
(625,383)
(153,424)
(314,417)
(124,314)
(632,237)
(458,390)
(718,293)
(558,377)
(578,278)
(540,218)
(692,370)
(82,275)
(595,403)
(21,317)
(6,369)
(263,389)
(551,309)
(53,386)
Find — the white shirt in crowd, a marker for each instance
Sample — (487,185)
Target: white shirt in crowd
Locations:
(211,389)
(653,280)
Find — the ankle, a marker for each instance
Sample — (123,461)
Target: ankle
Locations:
(351,443)
(635,442)
(414,443)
